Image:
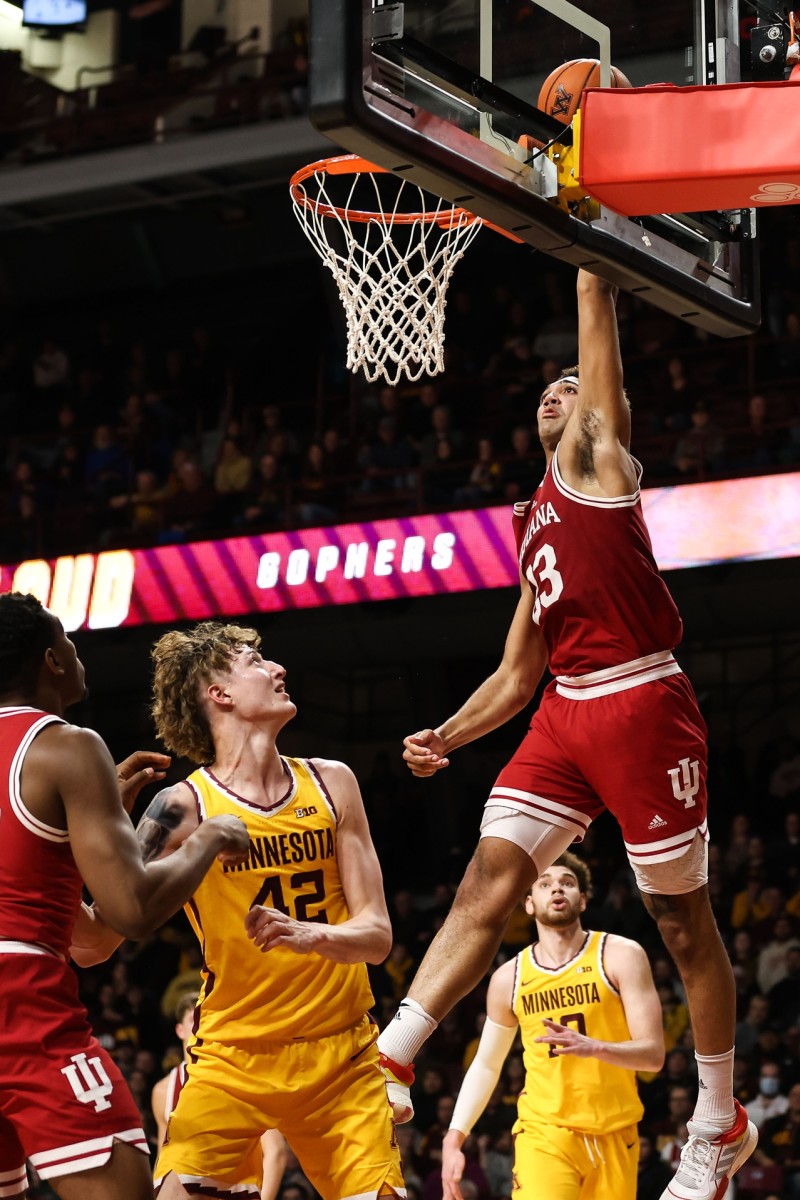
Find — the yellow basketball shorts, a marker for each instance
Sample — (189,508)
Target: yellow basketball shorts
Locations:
(327,1096)
(552,1163)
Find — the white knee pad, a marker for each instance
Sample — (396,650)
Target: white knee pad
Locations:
(539,839)
(677,876)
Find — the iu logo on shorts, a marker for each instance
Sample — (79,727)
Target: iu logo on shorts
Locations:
(88,1079)
(685,781)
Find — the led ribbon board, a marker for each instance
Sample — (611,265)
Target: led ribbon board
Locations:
(691,525)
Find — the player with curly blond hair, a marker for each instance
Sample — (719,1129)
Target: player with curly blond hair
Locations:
(183,662)
(282,1039)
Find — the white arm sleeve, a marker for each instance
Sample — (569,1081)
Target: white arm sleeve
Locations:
(483,1074)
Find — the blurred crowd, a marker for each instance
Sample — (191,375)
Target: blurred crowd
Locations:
(115,439)
(161,84)
(755,886)
(123,434)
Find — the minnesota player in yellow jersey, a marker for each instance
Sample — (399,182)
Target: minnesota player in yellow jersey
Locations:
(282,1039)
(164,1097)
(589,1015)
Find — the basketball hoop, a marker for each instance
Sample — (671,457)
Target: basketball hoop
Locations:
(392,265)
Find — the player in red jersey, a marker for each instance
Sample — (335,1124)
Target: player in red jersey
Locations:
(63,1103)
(617,728)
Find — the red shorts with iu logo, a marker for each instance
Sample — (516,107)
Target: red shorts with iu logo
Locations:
(63,1102)
(639,752)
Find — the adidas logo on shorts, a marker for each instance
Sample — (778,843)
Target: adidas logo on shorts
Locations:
(657,823)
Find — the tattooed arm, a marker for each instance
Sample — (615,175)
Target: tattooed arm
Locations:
(168,821)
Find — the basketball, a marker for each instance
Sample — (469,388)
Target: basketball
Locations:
(560,94)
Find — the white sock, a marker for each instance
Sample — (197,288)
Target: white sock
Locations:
(714,1112)
(410,1027)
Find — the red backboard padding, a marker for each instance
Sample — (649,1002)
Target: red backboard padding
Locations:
(663,149)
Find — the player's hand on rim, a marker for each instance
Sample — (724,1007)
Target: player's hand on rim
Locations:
(423,753)
(269,927)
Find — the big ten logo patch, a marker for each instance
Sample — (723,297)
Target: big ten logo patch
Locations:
(305,812)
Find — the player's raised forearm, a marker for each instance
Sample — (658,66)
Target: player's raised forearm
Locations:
(601,404)
(589,284)
(159,889)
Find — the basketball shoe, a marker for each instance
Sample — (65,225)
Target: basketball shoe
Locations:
(398,1083)
(707,1164)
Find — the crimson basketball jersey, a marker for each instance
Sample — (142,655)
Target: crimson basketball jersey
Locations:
(176,1082)
(599,598)
(40,887)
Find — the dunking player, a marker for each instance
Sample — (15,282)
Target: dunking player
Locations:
(283,1041)
(617,728)
(63,1103)
(165,1094)
(590,1018)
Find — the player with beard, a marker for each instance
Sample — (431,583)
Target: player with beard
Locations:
(589,1016)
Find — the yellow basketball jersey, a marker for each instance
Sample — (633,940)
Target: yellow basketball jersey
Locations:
(247,996)
(578,1093)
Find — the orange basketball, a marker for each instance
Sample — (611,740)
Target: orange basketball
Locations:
(561,92)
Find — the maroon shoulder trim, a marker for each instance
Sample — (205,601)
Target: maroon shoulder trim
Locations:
(197,802)
(322,786)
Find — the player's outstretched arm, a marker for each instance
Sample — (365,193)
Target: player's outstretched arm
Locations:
(497,1036)
(594,449)
(367,935)
(497,700)
(601,397)
(629,971)
(133,897)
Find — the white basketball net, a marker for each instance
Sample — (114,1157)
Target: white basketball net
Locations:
(392,272)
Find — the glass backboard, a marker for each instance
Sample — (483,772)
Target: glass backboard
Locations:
(442,91)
